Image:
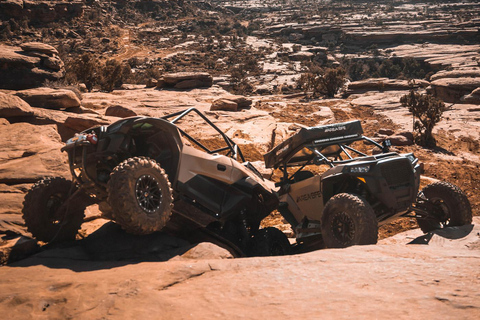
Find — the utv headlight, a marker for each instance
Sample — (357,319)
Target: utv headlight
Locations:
(359,169)
(411,157)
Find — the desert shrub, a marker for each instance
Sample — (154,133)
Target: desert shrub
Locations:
(239,81)
(322,81)
(91,71)
(83,70)
(428,111)
(112,75)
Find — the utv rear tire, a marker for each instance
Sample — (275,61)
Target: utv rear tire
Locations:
(140,196)
(269,242)
(348,220)
(452,206)
(41,215)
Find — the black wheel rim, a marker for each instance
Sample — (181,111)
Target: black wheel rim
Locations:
(54,202)
(441,212)
(343,228)
(148,193)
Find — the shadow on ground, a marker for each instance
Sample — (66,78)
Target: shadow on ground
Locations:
(451,233)
(111,247)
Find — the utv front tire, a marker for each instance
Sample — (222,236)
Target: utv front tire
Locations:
(140,196)
(451,207)
(269,242)
(348,220)
(42,217)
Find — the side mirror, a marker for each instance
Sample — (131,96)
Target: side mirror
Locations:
(386,144)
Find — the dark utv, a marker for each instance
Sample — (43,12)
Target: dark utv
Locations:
(358,192)
(147,175)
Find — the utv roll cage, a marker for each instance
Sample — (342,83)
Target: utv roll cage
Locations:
(232,148)
(320,145)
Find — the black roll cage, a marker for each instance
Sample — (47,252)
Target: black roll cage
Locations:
(320,158)
(233,149)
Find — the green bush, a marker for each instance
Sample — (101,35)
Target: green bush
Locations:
(83,70)
(91,71)
(319,81)
(428,111)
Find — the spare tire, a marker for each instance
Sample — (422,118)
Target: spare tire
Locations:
(41,211)
(140,195)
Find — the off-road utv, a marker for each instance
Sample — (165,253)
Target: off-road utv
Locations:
(359,191)
(147,175)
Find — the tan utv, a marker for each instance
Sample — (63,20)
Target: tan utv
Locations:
(364,185)
(147,175)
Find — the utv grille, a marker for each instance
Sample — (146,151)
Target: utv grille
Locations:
(397,172)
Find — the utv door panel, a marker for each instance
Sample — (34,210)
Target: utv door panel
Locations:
(307,195)
(194,162)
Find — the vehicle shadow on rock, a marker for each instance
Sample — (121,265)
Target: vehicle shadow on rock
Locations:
(450,233)
(110,247)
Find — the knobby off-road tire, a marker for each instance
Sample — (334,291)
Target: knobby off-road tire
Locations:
(348,220)
(269,242)
(42,217)
(452,207)
(140,196)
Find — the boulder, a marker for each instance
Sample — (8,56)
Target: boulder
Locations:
(207,250)
(400,140)
(453,89)
(187,80)
(242,102)
(224,104)
(119,111)
(13,106)
(233,103)
(29,68)
(387,132)
(79,123)
(301,56)
(39,47)
(50,98)
(29,152)
(151,83)
(189,84)
(407,134)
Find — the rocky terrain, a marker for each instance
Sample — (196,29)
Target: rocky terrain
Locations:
(66,66)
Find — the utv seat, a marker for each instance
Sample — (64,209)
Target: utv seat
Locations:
(302,175)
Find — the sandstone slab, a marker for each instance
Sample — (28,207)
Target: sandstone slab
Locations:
(385,281)
(13,106)
(50,98)
(453,89)
(119,111)
(39,47)
(21,69)
(33,153)
(187,80)
(384,84)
